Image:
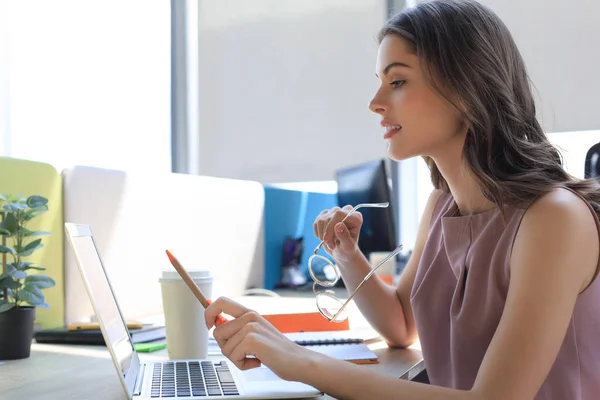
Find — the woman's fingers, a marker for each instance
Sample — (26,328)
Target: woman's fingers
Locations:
(336,216)
(233,341)
(317,225)
(226,331)
(333,214)
(237,346)
(223,305)
(239,353)
(324,225)
(249,363)
(320,223)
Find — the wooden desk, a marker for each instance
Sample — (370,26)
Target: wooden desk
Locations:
(87,372)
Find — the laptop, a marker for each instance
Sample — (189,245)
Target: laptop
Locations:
(214,377)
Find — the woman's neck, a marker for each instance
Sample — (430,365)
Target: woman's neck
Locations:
(465,189)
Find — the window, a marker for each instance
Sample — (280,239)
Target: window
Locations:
(88,83)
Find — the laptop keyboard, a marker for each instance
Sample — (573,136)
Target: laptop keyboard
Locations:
(192,378)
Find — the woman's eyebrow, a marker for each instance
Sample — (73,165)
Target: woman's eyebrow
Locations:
(387,69)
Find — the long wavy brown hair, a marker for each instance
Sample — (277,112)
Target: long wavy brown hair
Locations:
(472,60)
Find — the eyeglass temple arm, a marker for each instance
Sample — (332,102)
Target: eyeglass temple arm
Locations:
(356,207)
(373,205)
(366,278)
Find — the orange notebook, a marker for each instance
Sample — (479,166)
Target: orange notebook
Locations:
(304,322)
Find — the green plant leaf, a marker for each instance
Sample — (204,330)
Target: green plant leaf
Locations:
(17,274)
(22,265)
(33,212)
(9,283)
(6,306)
(40,281)
(37,268)
(36,201)
(31,294)
(10,223)
(10,268)
(43,305)
(31,245)
(16,198)
(11,207)
(28,249)
(4,232)
(26,253)
(3,197)
(6,249)
(13,273)
(24,232)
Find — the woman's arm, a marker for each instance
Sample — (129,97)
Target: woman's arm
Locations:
(555,256)
(377,300)
(344,380)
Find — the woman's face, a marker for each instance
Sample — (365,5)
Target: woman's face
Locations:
(416,119)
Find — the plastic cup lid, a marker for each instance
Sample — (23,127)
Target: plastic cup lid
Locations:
(171,275)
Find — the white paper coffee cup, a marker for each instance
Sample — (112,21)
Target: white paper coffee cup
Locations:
(187,335)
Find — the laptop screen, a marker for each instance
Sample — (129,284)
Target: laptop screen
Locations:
(107,310)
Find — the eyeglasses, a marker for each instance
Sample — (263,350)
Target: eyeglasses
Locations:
(330,306)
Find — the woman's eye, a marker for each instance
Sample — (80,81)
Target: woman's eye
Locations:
(397,84)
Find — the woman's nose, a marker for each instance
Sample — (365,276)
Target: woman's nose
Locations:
(376,105)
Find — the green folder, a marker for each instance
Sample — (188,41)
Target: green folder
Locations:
(149,347)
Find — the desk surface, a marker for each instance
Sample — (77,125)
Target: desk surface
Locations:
(86,372)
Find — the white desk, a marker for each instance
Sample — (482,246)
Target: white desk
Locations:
(86,372)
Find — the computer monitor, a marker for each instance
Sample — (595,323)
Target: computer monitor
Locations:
(368,183)
(592,162)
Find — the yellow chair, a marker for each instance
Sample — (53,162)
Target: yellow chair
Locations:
(27,178)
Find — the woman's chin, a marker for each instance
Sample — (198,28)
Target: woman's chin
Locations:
(399,154)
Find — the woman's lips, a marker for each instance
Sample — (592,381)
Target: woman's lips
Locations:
(389,134)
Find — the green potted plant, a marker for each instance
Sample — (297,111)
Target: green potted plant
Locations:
(20,289)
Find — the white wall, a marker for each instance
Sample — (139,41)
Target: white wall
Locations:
(559,43)
(284,87)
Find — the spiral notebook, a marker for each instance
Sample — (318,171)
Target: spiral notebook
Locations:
(343,345)
(325,338)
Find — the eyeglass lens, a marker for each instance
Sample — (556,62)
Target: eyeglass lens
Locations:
(329,307)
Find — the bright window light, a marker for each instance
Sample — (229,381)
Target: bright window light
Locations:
(89,83)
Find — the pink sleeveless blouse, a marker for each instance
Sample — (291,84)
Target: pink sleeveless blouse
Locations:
(459,293)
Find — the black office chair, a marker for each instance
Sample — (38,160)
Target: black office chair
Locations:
(592,162)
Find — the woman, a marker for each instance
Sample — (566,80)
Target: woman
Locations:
(500,289)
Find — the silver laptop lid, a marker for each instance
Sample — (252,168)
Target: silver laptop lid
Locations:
(105,305)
